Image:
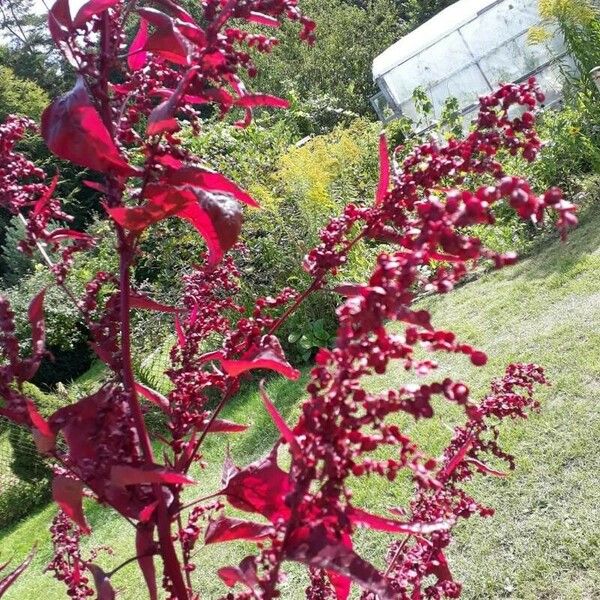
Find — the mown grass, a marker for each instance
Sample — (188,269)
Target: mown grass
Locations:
(544,541)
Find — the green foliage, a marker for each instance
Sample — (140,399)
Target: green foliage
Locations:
(20,96)
(21,499)
(338,68)
(14,264)
(309,337)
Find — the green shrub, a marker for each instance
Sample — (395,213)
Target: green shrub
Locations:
(20,96)
(20,499)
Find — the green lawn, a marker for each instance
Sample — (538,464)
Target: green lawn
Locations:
(544,541)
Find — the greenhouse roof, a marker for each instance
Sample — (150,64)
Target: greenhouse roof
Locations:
(445,22)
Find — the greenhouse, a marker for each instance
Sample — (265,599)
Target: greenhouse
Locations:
(467,50)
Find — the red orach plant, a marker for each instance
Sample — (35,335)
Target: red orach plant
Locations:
(121,120)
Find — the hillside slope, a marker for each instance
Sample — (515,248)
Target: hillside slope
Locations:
(544,541)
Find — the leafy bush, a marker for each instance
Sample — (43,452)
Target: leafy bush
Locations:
(20,96)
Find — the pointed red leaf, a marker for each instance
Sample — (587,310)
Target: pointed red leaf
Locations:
(254,100)
(261,487)
(483,468)
(104,588)
(145,303)
(147,512)
(160,206)
(122,475)
(341,584)
(440,568)
(90,9)
(210,181)
(456,460)
(268,356)
(153,396)
(218,219)
(365,519)
(244,574)
(261,19)
(60,23)
(384,171)
(225,426)
(284,430)
(8,580)
(73,129)
(57,235)
(229,468)
(137,57)
(44,437)
(68,494)
(225,529)
(45,198)
(179,331)
(145,548)
(317,546)
(167,40)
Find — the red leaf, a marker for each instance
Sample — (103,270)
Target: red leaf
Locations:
(137,57)
(95,185)
(159,207)
(268,20)
(210,181)
(147,512)
(268,356)
(253,100)
(281,425)
(44,437)
(90,9)
(104,588)
(261,487)
(179,331)
(317,546)
(167,40)
(9,579)
(225,529)
(153,396)
(73,130)
(384,171)
(68,494)
(60,23)
(145,548)
(456,460)
(162,118)
(218,219)
(45,198)
(224,426)
(145,303)
(483,468)
(365,519)
(341,584)
(61,233)
(440,569)
(244,574)
(229,468)
(122,475)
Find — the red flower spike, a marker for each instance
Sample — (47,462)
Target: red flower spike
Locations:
(123,475)
(104,588)
(68,494)
(284,430)
(269,355)
(384,170)
(73,130)
(8,580)
(224,529)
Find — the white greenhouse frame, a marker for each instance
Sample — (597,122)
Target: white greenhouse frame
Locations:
(467,50)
